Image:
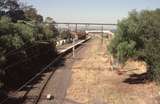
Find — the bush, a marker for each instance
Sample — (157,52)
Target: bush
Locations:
(16,37)
(138,36)
(125,50)
(65,34)
(22,36)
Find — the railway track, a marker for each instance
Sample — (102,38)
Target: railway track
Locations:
(35,92)
(66,77)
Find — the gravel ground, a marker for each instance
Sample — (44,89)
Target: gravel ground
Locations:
(59,82)
(93,81)
(88,79)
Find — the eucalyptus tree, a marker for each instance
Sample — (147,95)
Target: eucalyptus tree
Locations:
(138,37)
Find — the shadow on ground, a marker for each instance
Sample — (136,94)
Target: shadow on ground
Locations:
(26,71)
(20,100)
(19,74)
(137,79)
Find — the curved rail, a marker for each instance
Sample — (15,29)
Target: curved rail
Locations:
(61,53)
(51,74)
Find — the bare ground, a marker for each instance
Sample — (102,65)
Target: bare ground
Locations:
(93,82)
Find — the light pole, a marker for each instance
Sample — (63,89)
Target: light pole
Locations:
(74,41)
(102,33)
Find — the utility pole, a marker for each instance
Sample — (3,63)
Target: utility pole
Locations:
(86,27)
(68,26)
(102,33)
(68,34)
(74,42)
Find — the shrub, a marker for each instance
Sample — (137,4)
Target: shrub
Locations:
(138,36)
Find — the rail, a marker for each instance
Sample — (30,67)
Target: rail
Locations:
(43,70)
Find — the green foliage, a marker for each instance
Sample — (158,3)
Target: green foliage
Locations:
(5,25)
(9,5)
(26,32)
(11,42)
(125,50)
(49,32)
(14,35)
(49,29)
(66,34)
(31,14)
(138,35)
(21,28)
(9,39)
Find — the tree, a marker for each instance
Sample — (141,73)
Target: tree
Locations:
(31,14)
(66,34)
(49,29)
(49,20)
(138,36)
(9,5)
(12,9)
(21,27)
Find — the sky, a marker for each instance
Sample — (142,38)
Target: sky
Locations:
(92,11)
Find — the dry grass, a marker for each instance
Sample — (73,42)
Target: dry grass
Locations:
(94,83)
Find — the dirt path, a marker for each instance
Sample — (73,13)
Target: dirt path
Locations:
(93,83)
